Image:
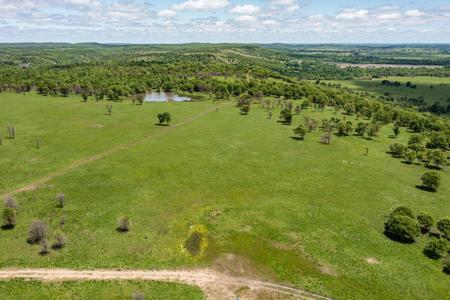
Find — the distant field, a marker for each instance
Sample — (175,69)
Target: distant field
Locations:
(432,89)
(374,66)
(296,212)
(19,289)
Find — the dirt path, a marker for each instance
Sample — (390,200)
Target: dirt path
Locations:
(215,285)
(78,163)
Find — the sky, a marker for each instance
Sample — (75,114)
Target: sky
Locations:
(225,21)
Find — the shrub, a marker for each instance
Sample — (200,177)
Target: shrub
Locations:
(410,156)
(60,240)
(402,228)
(123,224)
(138,296)
(38,231)
(402,211)
(44,247)
(431,180)
(425,222)
(197,242)
(9,217)
(11,202)
(60,198)
(164,117)
(397,149)
(300,131)
(447,265)
(435,248)
(443,224)
(437,158)
(326,138)
(245,109)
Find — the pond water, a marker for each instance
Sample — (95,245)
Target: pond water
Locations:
(164,97)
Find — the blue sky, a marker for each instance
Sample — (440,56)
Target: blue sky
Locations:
(255,21)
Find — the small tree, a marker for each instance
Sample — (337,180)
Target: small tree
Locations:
(326,138)
(11,202)
(361,129)
(44,247)
(396,130)
(443,224)
(123,224)
(38,231)
(436,248)
(164,117)
(85,96)
(431,180)
(61,198)
(138,296)
(437,158)
(410,157)
(60,240)
(245,109)
(402,228)
(426,221)
(300,131)
(11,132)
(402,211)
(447,264)
(9,217)
(397,149)
(109,108)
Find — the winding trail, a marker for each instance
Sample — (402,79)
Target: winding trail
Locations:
(84,161)
(215,285)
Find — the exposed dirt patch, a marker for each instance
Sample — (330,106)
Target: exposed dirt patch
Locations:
(372,261)
(96,125)
(214,284)
(326,269)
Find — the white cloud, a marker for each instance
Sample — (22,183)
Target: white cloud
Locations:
(246,18)
(270,22)
(351,14)
(246,9)
(414,13)
(389,16)
(167,13)
(202,5)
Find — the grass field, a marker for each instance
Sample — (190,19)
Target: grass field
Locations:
(83,290)
(440,91)
(298,212)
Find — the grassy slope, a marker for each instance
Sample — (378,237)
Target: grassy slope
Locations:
(18,289)
(440,91)
(293,208)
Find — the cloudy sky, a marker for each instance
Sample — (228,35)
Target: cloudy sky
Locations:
(262,21)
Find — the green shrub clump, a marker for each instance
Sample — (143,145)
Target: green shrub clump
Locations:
(402,228)
(436,248)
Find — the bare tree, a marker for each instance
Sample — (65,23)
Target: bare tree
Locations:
(61,198)
(38,231)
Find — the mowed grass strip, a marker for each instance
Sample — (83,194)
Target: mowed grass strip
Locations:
(299,212)
(101,290)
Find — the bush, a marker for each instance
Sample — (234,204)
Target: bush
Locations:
(164,117)
(9,217)
(123,224)
(410,156)
(402,228)
(38,231)
(425,222)
(138,296)
(447,265)
(443,224)
(437,158)
(11,202)
(402,211)
(436,248)
(397,149)
(431,180)
(60,240)
(44,247)
(300,131)
(60,198)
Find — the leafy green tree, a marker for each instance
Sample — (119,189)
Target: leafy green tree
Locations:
(402,228)
(9,217)
(426,221)
(164,118)
(300,131)
(443,224)
(437,140)
(437,158)
(396,130)
(361,129)
(410,156)
(349,108)
(402,211)
(286,115)
(245,109)
(415,142)
(436,248)
(447,264)
(431,180)
(397,149)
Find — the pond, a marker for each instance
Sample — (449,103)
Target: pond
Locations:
(164,97)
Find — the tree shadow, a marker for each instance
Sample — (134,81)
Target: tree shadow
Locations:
(425,188)
(163,125)
(7,227)
(296,138)
(430,167)
(397,239)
